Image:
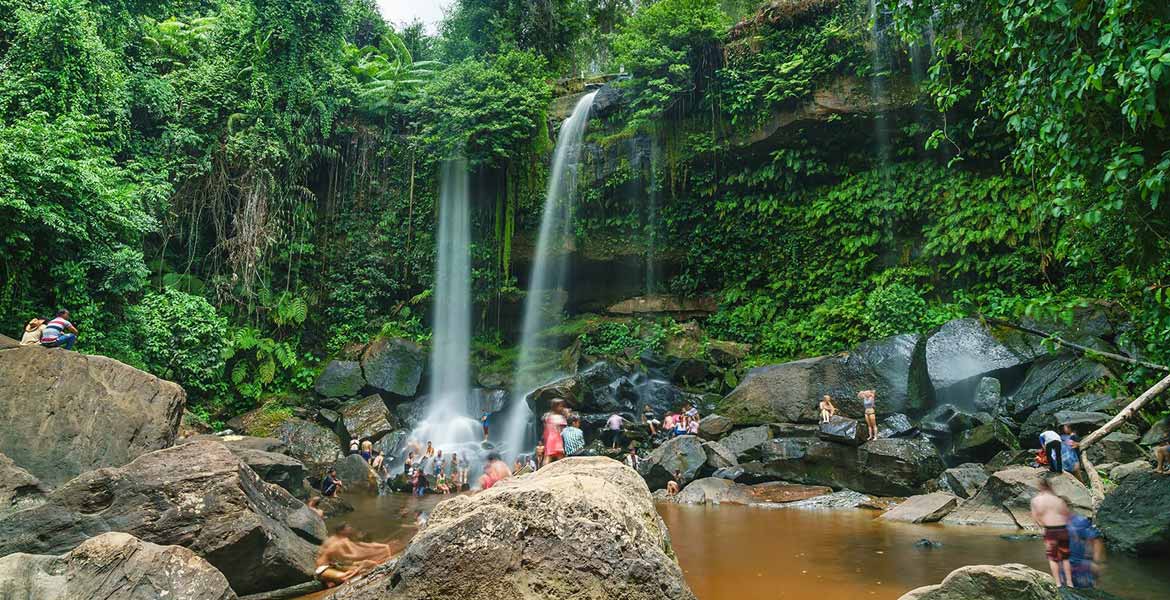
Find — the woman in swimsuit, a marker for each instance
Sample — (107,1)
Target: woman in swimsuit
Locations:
(827,408)
(869,401)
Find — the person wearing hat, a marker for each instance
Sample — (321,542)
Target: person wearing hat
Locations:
(33,331)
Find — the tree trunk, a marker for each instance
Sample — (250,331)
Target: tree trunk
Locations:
(1097,488)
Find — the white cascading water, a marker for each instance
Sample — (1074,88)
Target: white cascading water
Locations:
(546,289)
(451,421)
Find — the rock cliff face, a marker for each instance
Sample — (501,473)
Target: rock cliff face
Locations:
(18,488)
(199,496)
(65,413)
(113,565)
(582,528)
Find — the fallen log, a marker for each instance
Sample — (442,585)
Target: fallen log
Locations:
(1131,409)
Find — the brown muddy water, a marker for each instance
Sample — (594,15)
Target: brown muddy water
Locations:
(742,553)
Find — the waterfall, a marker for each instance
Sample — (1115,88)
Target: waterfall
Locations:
(653,223)
(451,422)
(547,285)
(882,67)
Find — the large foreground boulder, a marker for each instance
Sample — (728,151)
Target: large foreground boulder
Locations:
(65,412)
(1135,517)
(18,488)
(990,582)
(1005,500)
(582,528)
(790,392)
(199,496)
(113,565)
(394,365)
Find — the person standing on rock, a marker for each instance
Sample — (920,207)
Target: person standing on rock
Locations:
(613,429)
(485,421)
(1050,441)
(59,333)
(869,402)
(632,460)
(554,420)
(1086,551)
(1052,513)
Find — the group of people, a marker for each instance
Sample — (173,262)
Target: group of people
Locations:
(1061,452)
(57,332)
(1072,545)
(679,423)
(430,469)
(868,400)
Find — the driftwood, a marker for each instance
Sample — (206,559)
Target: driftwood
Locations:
(296,591)
(1080,349)
(1097,488)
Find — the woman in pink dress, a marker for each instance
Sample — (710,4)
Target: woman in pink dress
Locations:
(554,422)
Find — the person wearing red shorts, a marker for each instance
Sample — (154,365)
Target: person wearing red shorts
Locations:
(1052,513)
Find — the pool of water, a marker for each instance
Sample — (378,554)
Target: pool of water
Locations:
(733,552)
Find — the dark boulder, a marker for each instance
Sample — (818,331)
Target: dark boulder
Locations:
(199,496)
(19,489)
(582,528)
(113,565)
(843,430)
(718,457)
(1044,416)
(1117,447)
(1135,517)
(394,365)
(988,396)
(896,425)
(1052,378)
(65,413)
(714,427)
(747,444)
(340,379)
(314,446)
(989,582)
(964,351)
(355,473)
(886,467)
(684,454)
(965,480)
(1157,433)
(609,100)
(367,419)
(266,457)
(981,443)
(790,392)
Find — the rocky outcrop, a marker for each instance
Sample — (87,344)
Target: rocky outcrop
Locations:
(964,351)
(718,457)
(844,430)
(1117,447)
(340,379)
(313,445)
(681,308)
(199,496)
(1044,415)
(928,508)
(1052,378)
(885,467)
(355,473)
(684,454)
(712,490)
(1135,517)
(790,392)
(366,419)
(65,412)
(19,489)
(964,480)
(265,456)
(1005,500)
(582,528)
(983,442)
(989,582)
(113,565)
(749,443)
(714,427)
(394,365)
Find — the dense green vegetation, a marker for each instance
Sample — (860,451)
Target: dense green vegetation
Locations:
(225,192)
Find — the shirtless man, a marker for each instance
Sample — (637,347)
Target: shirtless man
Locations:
(1052,513)
(341,558)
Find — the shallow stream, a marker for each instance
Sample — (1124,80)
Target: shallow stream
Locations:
(734,552)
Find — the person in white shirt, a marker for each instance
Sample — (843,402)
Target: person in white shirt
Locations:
(1050,441)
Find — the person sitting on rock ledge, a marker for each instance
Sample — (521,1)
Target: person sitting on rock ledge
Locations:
(59,333)
(33,331)
(650,420)
(341,558)
(690,418)
(632,460)
(672,486)
(331,485)
(827,408)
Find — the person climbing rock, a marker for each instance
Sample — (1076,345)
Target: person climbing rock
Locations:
(59,332)
(613,429)
(1050,441)
(1052,513)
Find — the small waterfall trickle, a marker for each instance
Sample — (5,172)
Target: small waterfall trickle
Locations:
(653,222)
(882,64)
(546,297)
(451,422)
